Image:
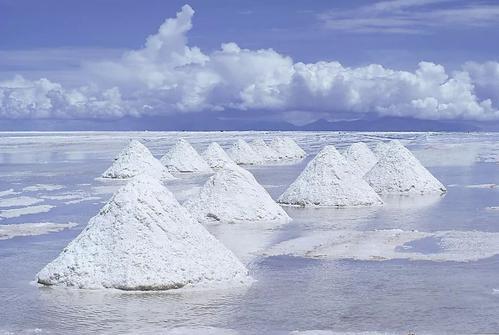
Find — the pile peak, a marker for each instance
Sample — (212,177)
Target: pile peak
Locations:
(380,149)
(143,239)
(182,157)
(216,157)
(398,171)
(242,153)
(329,181)
(287,148)
(233,195)
(360,157)
(135,159)
(268,154)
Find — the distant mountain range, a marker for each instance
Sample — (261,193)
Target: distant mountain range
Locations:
(207,122)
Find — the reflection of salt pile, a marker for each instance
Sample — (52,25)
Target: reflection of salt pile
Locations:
(329,180)
(360,157)
(143,239)
(287,148)
(182,157)
(242,153)
(398,171)
(216,157)
(136,159)
(233,195)
(268,154)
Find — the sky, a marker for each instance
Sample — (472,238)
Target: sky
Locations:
(294,61)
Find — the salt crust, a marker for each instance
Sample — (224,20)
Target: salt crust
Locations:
(380,245)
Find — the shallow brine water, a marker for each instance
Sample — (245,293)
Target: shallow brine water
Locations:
(422,264)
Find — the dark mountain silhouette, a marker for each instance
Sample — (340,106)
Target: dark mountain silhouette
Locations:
(210,122)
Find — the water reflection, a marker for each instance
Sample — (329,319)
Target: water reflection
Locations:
(134,311)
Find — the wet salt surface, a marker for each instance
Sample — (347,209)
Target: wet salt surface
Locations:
(292,293)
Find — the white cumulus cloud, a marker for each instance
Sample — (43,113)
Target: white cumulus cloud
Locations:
(168,76)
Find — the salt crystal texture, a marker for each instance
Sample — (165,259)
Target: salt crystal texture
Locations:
(360,157)
(134,160)
(216,157)
(329,181)
(143,239)
(398,171)
(182,157)
(380,149)
(233,195)
(242,153)
(268,154)
(287,148)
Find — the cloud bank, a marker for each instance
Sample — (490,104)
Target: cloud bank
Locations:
(168,76)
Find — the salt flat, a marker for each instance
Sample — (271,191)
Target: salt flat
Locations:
(427,264)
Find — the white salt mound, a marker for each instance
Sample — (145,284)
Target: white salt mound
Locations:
(143,239)
(329,181)
(134,160)
(287,148)
(398,171)
(380,148)
(216,157)
(242,153)
(268,154)
(360,157)
(182,157)
(233,195)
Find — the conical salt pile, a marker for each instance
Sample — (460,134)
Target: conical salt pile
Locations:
(216,157)
(398,171)
(360,157)
(233,195)
(143,239)
(134,160)
(287,148)
(268,154)
(329,181)
(182,157)
(380,149)
(242,153)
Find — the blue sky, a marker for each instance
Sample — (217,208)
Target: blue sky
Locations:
(294,60)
